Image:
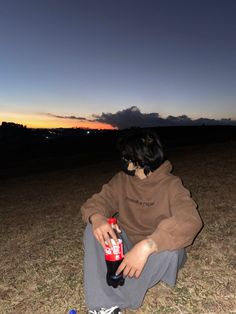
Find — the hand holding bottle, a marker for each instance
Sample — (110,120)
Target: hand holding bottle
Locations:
(103,231)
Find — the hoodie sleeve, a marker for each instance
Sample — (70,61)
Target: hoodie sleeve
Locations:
(105,202)
(179,230)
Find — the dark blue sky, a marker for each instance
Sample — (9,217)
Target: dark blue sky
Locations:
(84,58)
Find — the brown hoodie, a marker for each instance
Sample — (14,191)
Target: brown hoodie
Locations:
(158,207)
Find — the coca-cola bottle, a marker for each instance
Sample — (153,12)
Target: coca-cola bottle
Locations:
(114,256)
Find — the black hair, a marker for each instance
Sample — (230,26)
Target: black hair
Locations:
(143,148)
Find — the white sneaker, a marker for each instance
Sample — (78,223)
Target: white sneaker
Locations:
(113,310)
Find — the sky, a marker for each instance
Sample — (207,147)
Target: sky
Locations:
(116,64)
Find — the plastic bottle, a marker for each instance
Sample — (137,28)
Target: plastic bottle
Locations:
(114,256)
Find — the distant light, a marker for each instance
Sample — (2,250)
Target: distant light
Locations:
(88,132)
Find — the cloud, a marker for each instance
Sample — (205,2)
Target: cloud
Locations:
(129,117)
(133,117)
(67,117)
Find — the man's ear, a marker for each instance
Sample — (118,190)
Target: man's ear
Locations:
(124,167)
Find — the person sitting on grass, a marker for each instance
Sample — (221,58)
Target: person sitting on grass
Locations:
(157,219)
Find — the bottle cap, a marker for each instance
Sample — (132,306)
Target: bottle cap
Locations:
(72,312)
(112,220)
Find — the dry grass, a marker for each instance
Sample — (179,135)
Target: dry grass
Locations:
(41,238)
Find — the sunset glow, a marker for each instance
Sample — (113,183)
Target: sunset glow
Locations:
(44,121)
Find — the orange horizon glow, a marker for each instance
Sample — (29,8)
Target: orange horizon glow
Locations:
(48,122)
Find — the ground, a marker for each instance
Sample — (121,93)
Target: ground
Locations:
(41,237)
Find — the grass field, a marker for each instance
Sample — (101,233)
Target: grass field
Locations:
(41,237)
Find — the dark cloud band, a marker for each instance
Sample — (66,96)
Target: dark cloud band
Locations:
(67,117)
(133,117)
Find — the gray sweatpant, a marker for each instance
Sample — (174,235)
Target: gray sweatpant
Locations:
(161,266)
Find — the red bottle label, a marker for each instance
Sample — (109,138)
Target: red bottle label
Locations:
(114,253)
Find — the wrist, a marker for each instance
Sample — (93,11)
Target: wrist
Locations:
(150,245)
(94,217)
